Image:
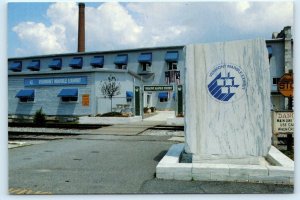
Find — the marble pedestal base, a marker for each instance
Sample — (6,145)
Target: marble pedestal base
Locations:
(276,168)
(223,160)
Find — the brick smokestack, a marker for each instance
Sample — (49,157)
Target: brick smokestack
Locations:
(81,28)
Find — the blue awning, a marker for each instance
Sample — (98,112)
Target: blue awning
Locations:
(34,65)
(171,56)
(76,62)
(16,66)
(97,61)
(145,58)
(129,94)
(163,95)
(56,63)
(70,92)
(25,93)
(121,59)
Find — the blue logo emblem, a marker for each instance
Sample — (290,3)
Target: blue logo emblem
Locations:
(226,83)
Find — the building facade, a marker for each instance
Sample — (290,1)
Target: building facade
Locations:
(280,49)
(70,84)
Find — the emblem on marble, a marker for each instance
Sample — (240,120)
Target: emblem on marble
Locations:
(226,83)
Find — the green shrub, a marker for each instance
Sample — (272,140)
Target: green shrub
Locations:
(153,109)
(39,118)
(146,109)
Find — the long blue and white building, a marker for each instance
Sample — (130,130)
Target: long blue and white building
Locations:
(70,84)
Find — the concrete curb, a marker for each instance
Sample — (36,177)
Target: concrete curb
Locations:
(170,168)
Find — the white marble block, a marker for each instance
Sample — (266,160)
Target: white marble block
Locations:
(228,101)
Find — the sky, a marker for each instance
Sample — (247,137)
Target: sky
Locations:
(37,28)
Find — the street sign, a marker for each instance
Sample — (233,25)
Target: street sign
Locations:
(283,122)
(158,88)
(286,85)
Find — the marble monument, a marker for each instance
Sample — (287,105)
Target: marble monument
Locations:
(227,109)
(227,118)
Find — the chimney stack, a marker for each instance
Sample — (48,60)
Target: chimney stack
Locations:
(81,28)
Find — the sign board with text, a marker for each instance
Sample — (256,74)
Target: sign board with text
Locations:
(56,81)
(283,122)
(286,85)
(158,88)
(85,100)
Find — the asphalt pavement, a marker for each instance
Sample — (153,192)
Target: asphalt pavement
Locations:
(107,164)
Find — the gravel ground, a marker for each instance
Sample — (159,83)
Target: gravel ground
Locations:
(48,130)
(163,133)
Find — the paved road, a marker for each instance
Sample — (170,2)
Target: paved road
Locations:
(95,164)
(104,164)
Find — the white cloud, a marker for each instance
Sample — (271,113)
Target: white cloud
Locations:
(41,39)
(132,25)
(242,6)
(110,26)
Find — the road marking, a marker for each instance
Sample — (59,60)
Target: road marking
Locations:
(19,191)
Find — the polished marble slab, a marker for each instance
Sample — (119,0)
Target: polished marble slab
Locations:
(227,113)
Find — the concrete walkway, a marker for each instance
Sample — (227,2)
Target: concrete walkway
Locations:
(125,129)
(161,116)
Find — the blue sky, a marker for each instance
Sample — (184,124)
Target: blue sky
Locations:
(43,28)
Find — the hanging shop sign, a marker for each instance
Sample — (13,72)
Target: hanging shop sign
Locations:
(54,81)
(283,122)
(286,85)
(158,88)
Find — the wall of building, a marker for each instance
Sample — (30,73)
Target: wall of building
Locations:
(276,62)
(46,97)
(103,104)
(281,62)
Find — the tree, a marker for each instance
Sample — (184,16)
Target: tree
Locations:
(110,88)
(39,118)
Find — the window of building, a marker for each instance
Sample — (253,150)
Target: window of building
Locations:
(163,99)
(68,95)
(121,61)
(145,60)
(69,99)
(97,61)
(16,66)
(172,66)
(56,64)
(275,81)
(34,65)
(25,96)
(146,67)
(172,77)
(26,99)
(119,66)
(163,96)
(129,96)
(76,63)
